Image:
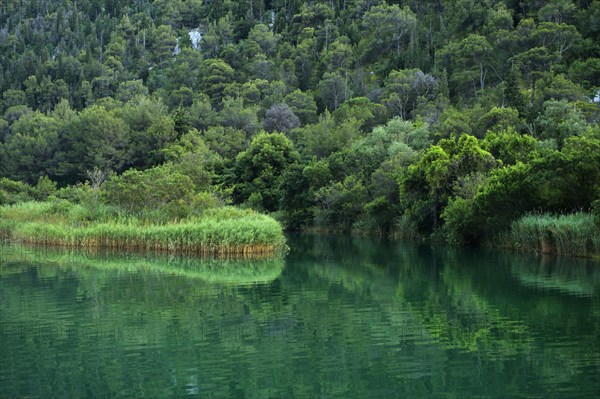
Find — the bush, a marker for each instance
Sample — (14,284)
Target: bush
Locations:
(459,225)
(12,192)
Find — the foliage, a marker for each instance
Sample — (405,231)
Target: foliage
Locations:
(444,118)
(259,169)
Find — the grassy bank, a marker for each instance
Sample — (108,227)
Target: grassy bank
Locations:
(222,231)
(567,235)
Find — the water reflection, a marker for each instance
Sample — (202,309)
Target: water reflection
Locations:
(234,270)
(344,318)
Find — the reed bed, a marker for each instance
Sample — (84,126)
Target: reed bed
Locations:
(568,235)
(228,231)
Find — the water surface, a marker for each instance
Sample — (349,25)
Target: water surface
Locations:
(339,317)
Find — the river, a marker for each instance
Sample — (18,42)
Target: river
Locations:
(339,317)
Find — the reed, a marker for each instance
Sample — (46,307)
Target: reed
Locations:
(568,235)
(227,231)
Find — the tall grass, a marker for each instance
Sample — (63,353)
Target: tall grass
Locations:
(569,235)
(222,231)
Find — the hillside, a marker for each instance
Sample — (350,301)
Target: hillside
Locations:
(450,119)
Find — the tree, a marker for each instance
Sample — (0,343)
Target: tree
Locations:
(265,38)
(368,113)
(30,149)
(258,170)
(559,120)
(334,90)
(234,114)
(201,113)
(451,168)
(512,90)
(499,119)
(11,98)
(191,156)
(326,136)
(556,37)
(280,118)
(305,57)
(509,146)
(388,28)
(151,128)
(228,142)
(533,63)
(561,88)
(557,11)
(93,139)
(425,187)
(215,74)
(403,88)
(339,56)
(303,105)
(468,61)
(162,45)
(339,205)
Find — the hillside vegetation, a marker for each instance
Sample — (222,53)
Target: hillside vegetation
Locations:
(447,119)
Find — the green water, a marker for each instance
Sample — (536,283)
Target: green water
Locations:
(339,317)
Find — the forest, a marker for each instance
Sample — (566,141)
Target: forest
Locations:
(467,121)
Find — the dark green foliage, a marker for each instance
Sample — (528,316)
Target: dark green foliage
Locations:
(29,150)
(259,170)
(93,139)
(449,118)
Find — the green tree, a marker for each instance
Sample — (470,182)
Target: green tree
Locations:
(29,152)
(258,170)
(388,29)
(234,114)
(559,120)
(509,146)
(201,113)
(339,204)
(366,112)
(192,157)
(228,142)
(265,38)
(326,136)
(339,56)
(534,63)
(215,74)
(93,139)
(216,38)
(499,119)
(303,105)
(468,62)
(334,90)
(404,87)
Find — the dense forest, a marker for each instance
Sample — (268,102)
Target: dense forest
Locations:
(447,119)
